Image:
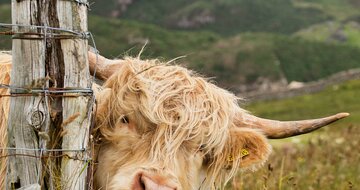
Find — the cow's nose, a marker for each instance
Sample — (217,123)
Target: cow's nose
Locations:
(154,183)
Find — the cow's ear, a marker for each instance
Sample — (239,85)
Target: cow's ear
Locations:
(248,146)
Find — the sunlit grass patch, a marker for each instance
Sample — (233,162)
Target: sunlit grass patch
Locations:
(326,159)
(336,98)
(322,162)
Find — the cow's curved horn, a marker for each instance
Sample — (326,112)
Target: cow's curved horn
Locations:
(282,129)
(101,66)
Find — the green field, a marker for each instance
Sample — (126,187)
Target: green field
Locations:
(309,54)
(326,159)
(333,32)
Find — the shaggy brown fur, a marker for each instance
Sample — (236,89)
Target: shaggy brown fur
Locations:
(177,112)
(5,66)
(166,121)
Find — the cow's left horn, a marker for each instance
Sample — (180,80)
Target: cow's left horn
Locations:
(101,66)
(282,129)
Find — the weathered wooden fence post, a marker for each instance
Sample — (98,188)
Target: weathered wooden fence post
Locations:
(49,120)
(76,132)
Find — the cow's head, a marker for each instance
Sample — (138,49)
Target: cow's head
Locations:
(164,127)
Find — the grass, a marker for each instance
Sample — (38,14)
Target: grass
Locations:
(326,159)
(336,98)
(126,35)
(338,9)
(323,162)
(352,31)
(245,58)
(325,32)
(304,60)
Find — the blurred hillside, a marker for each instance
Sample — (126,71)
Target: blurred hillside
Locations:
(227,17)
(237,41)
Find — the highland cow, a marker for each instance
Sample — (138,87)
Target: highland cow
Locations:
(163,127)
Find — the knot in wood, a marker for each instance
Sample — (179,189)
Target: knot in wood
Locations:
(36,118)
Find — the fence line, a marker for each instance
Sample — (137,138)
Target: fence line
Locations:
(36,90)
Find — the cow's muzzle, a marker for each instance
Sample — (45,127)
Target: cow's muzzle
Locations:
(151,182)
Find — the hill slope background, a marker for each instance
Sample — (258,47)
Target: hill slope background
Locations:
(230,16)
(238,42)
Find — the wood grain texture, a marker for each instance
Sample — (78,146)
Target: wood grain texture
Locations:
(65,63)
(28,65)
(74,17)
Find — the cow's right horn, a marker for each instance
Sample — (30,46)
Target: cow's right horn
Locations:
(282,129)
(101,66)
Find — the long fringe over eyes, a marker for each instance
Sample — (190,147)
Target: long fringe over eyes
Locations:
(183,109)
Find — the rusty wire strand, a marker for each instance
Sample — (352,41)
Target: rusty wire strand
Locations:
(55,33)
(39,36)
(5,25)
(59,92)
(46,150)
(50,89)
(51,95)
(48,156)
(15,91)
